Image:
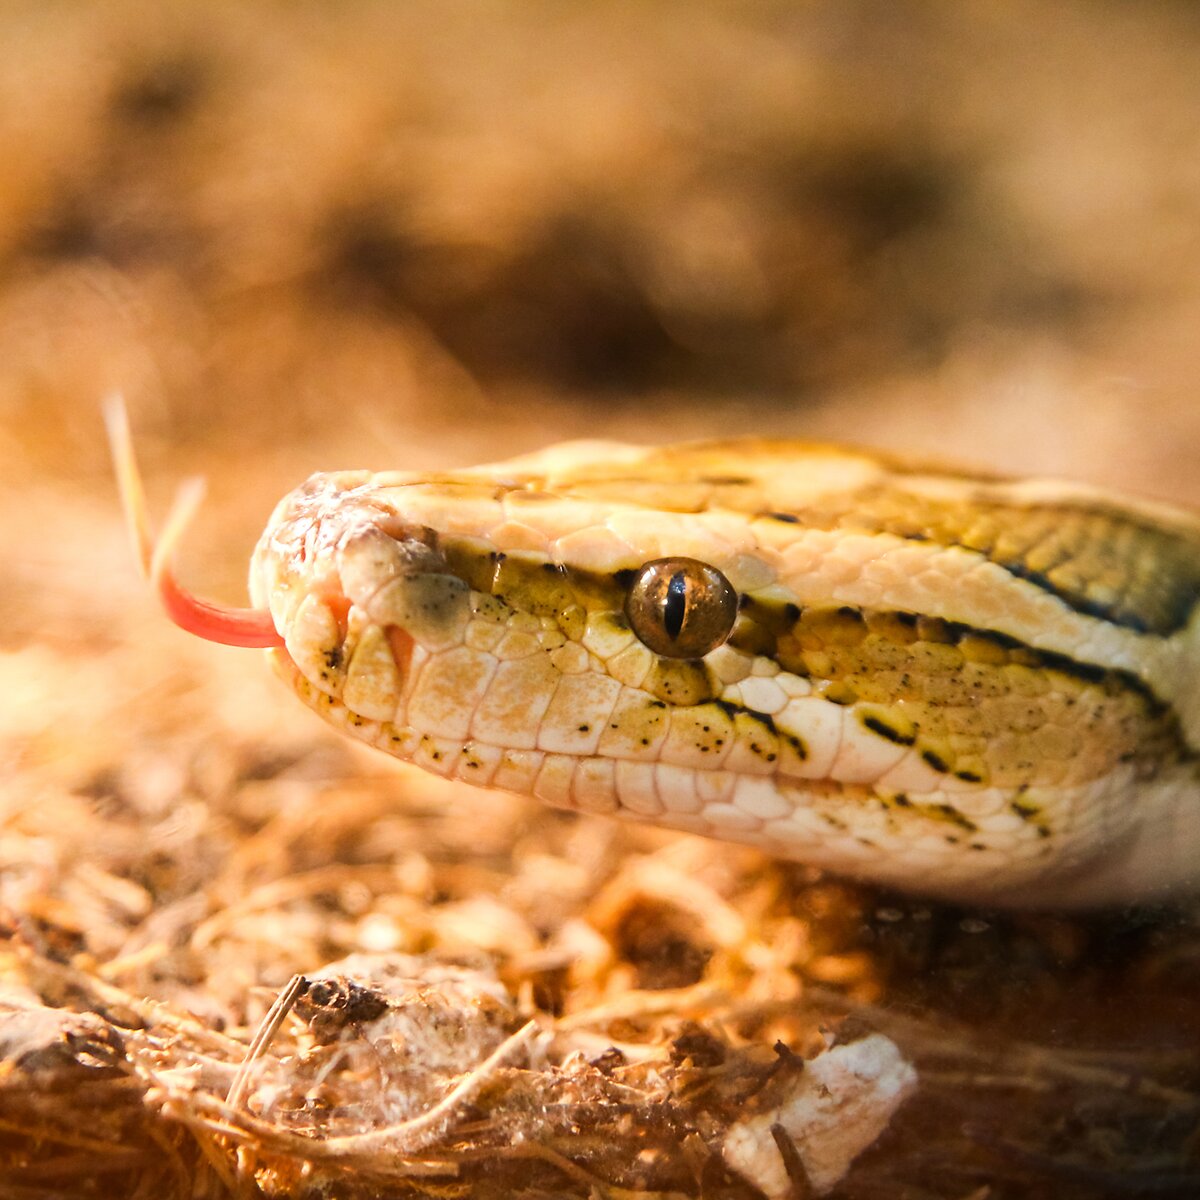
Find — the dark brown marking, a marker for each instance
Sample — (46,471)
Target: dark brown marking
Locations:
(1101,560)
(935,760)
(947,812)
(883,729)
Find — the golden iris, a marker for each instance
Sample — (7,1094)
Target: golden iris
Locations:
(681,607)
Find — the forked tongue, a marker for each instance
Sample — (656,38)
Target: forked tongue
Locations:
(252,627)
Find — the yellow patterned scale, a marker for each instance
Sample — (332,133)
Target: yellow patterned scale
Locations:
(949,683)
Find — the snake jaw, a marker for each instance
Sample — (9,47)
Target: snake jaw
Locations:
(225,624)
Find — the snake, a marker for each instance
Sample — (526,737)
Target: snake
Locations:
(956,684)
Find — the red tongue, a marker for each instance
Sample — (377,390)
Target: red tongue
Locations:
(214,622)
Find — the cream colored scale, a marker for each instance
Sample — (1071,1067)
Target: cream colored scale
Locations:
(950,684)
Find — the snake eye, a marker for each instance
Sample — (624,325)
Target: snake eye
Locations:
(680,607)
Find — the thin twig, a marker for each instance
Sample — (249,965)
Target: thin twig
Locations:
(263,1035)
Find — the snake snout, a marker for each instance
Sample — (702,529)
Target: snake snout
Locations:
(384,598)
(404,583)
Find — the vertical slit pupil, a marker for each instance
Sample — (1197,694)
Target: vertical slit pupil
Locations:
(675,604)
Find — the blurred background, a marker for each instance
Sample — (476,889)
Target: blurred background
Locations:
(380,234)
(304,236)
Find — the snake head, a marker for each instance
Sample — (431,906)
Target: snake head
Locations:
(836,658)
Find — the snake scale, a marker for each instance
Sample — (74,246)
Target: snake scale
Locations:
(950,683)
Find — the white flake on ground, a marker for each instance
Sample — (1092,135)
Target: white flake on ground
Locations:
(837,1107)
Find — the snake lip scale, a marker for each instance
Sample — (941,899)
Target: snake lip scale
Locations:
(954,684)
